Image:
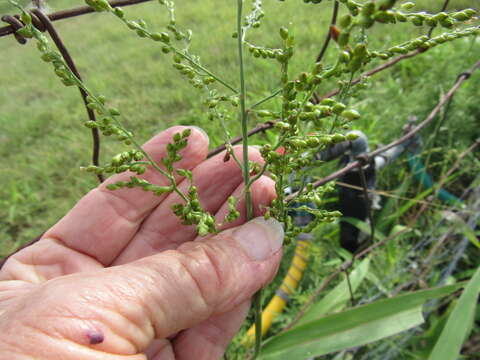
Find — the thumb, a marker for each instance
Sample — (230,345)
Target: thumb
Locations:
(122,309)
(182,288)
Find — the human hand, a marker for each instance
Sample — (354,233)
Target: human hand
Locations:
(120,278)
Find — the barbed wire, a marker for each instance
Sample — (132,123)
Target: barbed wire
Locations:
(74,12)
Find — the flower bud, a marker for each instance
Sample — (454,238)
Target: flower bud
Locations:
(350,114)
(91,124)
(159,190)
(353,7)
(352,136)
(430,21)
(408,5)
(338,138)
(460,16)
(368,9)
(417,20)
(343,38)
(338,108)
(400,17)
(313,142)
(366,21)
(345,21)
(119,12)
(470,12)
(284,33)
(344,57)
(447,23)
(103,5)
(328,102)
(264,113)
(317,68)
(25,32)
(114,112)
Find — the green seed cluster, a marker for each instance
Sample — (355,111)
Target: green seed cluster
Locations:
(124,161)
(180,141)
(233,213)
(382,12)
(252,20)
(288,43)
(49,55)
(215,99)
(142,184)
(107,123)
(424,42)
(264,52)
(192,213)
(99,5)
(297,115)
(320,216)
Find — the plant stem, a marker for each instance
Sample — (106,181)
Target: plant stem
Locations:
(206,71)
(183,55)
(152,162)
(243,114)
(271,96)
(257,299)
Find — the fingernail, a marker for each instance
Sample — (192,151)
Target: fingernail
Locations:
(200,130)
(260,238)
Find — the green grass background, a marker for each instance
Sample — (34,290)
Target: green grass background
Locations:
(43,142)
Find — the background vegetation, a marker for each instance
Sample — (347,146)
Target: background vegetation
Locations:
(43,142)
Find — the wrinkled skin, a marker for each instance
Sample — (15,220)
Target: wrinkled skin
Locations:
(120,278)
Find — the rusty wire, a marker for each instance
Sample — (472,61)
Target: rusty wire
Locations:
(69,13)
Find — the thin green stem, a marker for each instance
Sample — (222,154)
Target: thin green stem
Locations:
(269,97)
(152,162)
(183,55)
(259,175)
(257,299)
(103,109)
(228,143)
(208,72)
(243,112)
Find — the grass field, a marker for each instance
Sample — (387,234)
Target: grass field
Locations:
(43,142)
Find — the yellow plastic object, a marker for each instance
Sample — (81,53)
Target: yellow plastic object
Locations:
(286,289)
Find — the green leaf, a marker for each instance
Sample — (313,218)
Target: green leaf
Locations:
(363,227)
(462,226)
(459,323)
(336,299)
(353,327)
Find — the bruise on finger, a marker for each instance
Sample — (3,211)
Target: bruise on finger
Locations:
(95,337)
